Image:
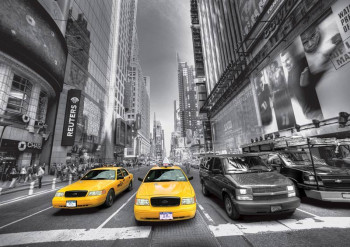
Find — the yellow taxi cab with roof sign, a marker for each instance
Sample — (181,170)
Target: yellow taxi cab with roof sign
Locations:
(165,194)
(98,186)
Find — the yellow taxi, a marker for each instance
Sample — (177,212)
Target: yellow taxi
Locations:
(165,194)
(98,186)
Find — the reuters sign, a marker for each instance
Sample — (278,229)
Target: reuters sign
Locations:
(71,117)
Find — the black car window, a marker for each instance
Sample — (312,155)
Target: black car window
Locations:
(125,173)
(119,173)
(217,164)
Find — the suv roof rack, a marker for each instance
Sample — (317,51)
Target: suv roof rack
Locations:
(289,142)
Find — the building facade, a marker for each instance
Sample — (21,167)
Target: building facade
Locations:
(158,140)
(138,104)
(33,56)
(190,122)
(274,68)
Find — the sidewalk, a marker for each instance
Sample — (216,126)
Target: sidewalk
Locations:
(6,189)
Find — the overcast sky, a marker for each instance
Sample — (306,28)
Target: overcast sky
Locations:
(164,30)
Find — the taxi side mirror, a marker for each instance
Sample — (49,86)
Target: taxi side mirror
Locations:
(190,178)
(140,179)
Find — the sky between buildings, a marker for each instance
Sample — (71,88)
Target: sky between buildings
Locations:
(163,30)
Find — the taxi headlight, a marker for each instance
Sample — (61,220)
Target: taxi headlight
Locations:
(97,193)
(142,202)
(188,201)
(59,194)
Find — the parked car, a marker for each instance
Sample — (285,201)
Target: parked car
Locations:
(333,183)
(247,185)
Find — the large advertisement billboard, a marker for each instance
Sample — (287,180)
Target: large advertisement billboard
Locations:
(308,80)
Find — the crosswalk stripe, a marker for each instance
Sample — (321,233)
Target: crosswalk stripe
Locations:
(229,229)
(69,235)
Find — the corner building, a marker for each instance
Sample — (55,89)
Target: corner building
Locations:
(275,68)
(33,55)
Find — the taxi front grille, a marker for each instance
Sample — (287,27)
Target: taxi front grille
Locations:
(165,201)
(75,193)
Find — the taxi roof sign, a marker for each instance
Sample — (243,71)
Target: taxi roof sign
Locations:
(166,162)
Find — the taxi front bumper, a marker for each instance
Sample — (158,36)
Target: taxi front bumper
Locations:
(82,202)
(149,213)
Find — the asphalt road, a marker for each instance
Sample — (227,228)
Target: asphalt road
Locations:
(31,221)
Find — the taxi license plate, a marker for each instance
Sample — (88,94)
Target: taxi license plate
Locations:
(165,215)
(276,208)
(346,195)
(71,204)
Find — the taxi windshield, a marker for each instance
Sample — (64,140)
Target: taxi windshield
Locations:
(100,175)
(165,175)
(246,165)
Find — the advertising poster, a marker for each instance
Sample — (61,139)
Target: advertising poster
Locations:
(250,11)
(341,10)
(306,81)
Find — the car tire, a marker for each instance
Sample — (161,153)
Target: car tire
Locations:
(139,223)
(109,199)
(230,208)
(205,190)
(299,192)
(130,187)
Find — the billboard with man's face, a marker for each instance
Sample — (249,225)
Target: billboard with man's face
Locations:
(306,81)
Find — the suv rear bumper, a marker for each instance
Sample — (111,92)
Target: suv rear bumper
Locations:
(332,196)
(264,207)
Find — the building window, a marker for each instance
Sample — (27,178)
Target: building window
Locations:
(18,101)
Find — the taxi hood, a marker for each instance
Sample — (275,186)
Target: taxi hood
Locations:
(259,179)
(89,185)
(180,189)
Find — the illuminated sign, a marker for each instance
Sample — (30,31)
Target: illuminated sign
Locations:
(71,117)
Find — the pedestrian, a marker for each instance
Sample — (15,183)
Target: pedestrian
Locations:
(23,174)
(59,171)
(29,174)
(40,175)
(35,171)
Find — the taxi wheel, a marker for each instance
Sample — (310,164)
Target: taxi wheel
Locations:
(205,190)
(109,199)
(230,208)
(130,186)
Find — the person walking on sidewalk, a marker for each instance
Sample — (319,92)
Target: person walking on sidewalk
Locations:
(22,174)
(40,175)
(29,174)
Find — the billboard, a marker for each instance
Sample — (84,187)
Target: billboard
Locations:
(71,117)
(308,80)
(30,35)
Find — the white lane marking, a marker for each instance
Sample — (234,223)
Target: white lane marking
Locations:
(205,213)
(224,230)
(257,227)
(74,235)
(286,225)
(307,212)
(24,218)
(110,217)
(27,197)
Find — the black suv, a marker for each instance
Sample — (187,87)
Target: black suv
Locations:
(330,184)
(247,185)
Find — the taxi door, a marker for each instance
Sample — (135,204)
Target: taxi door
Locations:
(127,178)
(120,182)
